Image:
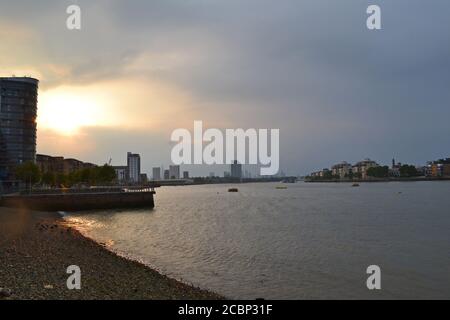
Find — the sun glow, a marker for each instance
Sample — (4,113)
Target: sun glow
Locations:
(66,110)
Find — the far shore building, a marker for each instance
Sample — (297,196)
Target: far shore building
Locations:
(342,170)
(438,168)
(174,172)
(166,174)
(185,174)
(421,170)
(361,167)
(134,167)
(156,173)
(121,173)
(236,170)
(394,171)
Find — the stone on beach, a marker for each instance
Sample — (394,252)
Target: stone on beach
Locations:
(5,293)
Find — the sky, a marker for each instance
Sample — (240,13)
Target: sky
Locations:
(139,69)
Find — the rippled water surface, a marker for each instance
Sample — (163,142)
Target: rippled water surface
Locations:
(307,241)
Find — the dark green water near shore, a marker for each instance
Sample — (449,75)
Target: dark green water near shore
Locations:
(307,241)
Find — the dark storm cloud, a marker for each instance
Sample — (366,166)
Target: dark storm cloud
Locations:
(336,90)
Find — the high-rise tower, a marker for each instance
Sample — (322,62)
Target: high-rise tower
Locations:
(18,112)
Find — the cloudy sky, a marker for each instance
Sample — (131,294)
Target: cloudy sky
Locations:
(139,69)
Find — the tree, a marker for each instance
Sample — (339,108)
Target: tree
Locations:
(61,180)
(49,179)
(28,172)
(408,171)
(85,175)
(327,175)
(378,172)
(105,174)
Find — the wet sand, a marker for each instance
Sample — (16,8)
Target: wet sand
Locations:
(36,248)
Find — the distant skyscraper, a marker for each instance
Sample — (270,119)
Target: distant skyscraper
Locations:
(18,112)
(185,174)
(174,172)
(156,173)
(134,167)
(236,170)
(166,174)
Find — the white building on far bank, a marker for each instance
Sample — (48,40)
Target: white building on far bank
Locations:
(361,167)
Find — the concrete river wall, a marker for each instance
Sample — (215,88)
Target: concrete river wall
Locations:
(80,201)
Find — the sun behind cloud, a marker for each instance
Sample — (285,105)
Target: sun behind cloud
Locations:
(67,109)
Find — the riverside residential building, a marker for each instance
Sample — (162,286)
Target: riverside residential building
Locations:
(59,165)
(361,167)
(342,169)
(18,112)
(439,168)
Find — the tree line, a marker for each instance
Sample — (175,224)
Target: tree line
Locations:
(29,173)
(406,171)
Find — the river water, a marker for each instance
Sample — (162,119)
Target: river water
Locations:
(309,241)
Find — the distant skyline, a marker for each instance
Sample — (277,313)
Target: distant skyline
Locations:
(139,69)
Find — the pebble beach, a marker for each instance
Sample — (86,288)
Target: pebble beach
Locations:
(37,247)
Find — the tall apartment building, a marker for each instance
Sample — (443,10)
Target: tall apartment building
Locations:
(156,173)
(166,174)
(134,167)
(18,112)
(236,170)
(174,172)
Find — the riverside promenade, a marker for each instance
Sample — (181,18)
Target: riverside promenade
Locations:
(82,199)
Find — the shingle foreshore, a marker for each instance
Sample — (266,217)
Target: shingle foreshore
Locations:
(36,248)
